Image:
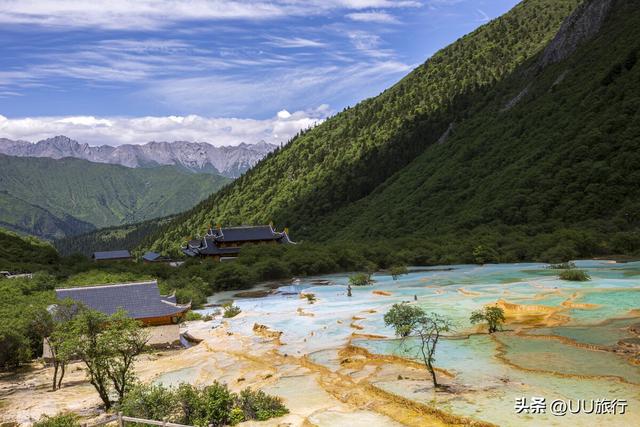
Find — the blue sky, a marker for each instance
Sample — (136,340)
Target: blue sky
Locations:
(128,71)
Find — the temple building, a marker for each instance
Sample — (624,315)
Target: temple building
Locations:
(141,301)
(107,256)
(224,243)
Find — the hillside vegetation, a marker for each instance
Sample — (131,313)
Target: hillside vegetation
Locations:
(57,198)
(555,176)
(348,156)
(24,253)
(126,236)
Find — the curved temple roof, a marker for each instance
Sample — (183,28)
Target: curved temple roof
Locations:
(210,244)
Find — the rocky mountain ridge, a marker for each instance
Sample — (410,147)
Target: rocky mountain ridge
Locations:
(229,161)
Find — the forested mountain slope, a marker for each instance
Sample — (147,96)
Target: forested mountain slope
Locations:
(24,253)
(127,236)
(348,156)
(547,163)
(57,198)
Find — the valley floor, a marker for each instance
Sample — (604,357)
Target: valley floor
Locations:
(334,363)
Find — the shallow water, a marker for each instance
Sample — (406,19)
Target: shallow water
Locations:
(491,372)
(606,334)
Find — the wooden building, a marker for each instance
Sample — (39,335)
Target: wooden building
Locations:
(221,243)
(141,301)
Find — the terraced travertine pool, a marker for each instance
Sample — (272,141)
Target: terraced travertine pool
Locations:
(562,341)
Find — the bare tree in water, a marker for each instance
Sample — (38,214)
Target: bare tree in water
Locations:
(409,320)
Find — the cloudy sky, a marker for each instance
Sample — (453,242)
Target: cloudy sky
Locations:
(221,71)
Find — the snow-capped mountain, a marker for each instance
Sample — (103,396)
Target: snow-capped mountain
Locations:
(230,161)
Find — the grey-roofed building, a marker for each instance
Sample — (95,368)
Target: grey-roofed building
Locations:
(226,242)
(141,301)
(120,255)
(260,233)
(154,257)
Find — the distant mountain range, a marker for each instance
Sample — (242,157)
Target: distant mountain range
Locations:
(229,161)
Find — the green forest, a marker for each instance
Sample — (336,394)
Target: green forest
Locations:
(110,238)
(58,198)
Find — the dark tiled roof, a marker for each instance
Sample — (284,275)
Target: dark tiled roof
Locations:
(213,249)
(243,234)
(154,256)
(210,244)
(151,256)
(189,252)
(111,255)
(139,300)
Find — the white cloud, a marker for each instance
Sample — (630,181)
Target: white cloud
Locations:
(369,44)
(483,16)
(155,14)
(139,130)
(297,86)
(373,16)
(284,114)
(294,42)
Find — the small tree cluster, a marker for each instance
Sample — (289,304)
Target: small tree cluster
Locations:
(398,271)
(230,310)
(574,275)
(106,345)
(360,279)
(494,316)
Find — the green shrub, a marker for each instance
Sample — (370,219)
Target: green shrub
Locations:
(257,405)
(66,419)
(236,416)
(152,402)
(360,279)
(188,288)
(398,271)
(101,277)
(230,310)
(232,275)
(192,315)
(213,405)
(574,275)
(189,294)
(210,405)
(311,298)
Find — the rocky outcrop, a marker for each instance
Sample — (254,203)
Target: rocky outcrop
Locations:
(443,138)
(514,101)
(265,332)
(580,26)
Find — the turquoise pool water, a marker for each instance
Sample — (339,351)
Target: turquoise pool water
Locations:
(493,372)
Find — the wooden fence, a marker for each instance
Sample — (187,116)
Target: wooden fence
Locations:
(121,419)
